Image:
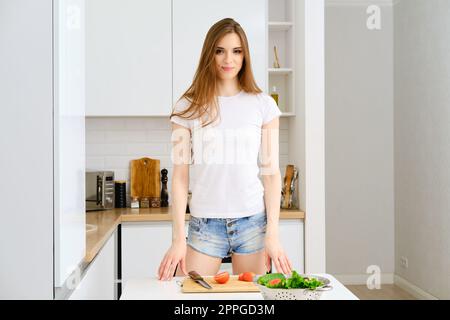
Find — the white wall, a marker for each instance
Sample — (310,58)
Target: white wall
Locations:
(359,142)
(112,142)
(422,144)
(26,150)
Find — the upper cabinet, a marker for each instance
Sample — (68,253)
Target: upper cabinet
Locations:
(131,68)
(191,22)
(128,57)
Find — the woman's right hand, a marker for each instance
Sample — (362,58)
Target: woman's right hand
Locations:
(176,255)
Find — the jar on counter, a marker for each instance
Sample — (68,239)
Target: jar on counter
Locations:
(120,194)
(145,203)
(135,203)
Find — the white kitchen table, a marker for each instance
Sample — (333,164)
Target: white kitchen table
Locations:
(153,289)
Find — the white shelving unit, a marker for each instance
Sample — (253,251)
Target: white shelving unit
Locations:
(280,71)
(281,33)
(280,26)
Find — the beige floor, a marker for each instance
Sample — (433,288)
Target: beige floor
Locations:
(387,292)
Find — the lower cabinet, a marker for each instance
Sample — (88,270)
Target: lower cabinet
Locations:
(100,278)
(292,239)
(144,244)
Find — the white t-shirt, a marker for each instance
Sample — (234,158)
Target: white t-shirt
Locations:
(224,169)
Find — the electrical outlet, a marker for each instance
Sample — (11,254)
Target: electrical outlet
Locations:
(404,262)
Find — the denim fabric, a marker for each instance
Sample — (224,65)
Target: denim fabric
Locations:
(222,237)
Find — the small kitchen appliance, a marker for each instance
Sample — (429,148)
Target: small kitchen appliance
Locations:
(99,190)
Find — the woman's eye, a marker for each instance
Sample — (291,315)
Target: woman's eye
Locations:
(221,51)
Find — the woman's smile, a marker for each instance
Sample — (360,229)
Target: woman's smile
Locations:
(228,69)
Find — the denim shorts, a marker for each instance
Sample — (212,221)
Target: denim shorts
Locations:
(221,238)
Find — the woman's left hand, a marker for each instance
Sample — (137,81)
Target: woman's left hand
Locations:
(274,251)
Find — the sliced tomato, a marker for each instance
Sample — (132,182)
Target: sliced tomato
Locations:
(274,282)
(246,276)
(222,277)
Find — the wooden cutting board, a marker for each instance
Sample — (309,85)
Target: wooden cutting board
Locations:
(145,178)
(233,285)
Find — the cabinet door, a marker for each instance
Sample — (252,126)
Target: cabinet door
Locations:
(128,57)
(144,244)
(26,145)
(191,22)
(292,240)
(99,281)
(69,137)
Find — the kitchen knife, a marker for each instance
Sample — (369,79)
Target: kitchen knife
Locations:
(198,278)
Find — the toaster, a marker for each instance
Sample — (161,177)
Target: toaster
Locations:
(99,190)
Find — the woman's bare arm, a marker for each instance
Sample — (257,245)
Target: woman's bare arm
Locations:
(180,179)
(270,171)
(181,152)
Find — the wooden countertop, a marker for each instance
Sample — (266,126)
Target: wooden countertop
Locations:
(103,223)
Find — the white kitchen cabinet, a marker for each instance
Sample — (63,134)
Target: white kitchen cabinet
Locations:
(42,128)
(191,22)
(26,144)
(129,50)
(128,57)
(100,279)
(69,137)
(144,244)
(291,238)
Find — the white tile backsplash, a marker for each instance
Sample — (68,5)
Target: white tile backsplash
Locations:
(158,135)
(125,136)
(284,134)
(111,143)
(155,149)
(153,123)
(105,124)
(117,162)
(284,147)
(95,136)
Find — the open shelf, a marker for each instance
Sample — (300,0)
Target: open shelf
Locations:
(281,34)
(284,87)
(281,71)
(280,26)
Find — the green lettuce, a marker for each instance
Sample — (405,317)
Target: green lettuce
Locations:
(295,281)
(264,280)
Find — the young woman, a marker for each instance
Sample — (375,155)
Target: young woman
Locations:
(233,127)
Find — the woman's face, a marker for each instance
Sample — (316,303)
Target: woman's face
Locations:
(229,56)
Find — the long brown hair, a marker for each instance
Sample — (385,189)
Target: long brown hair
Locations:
(202,92)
